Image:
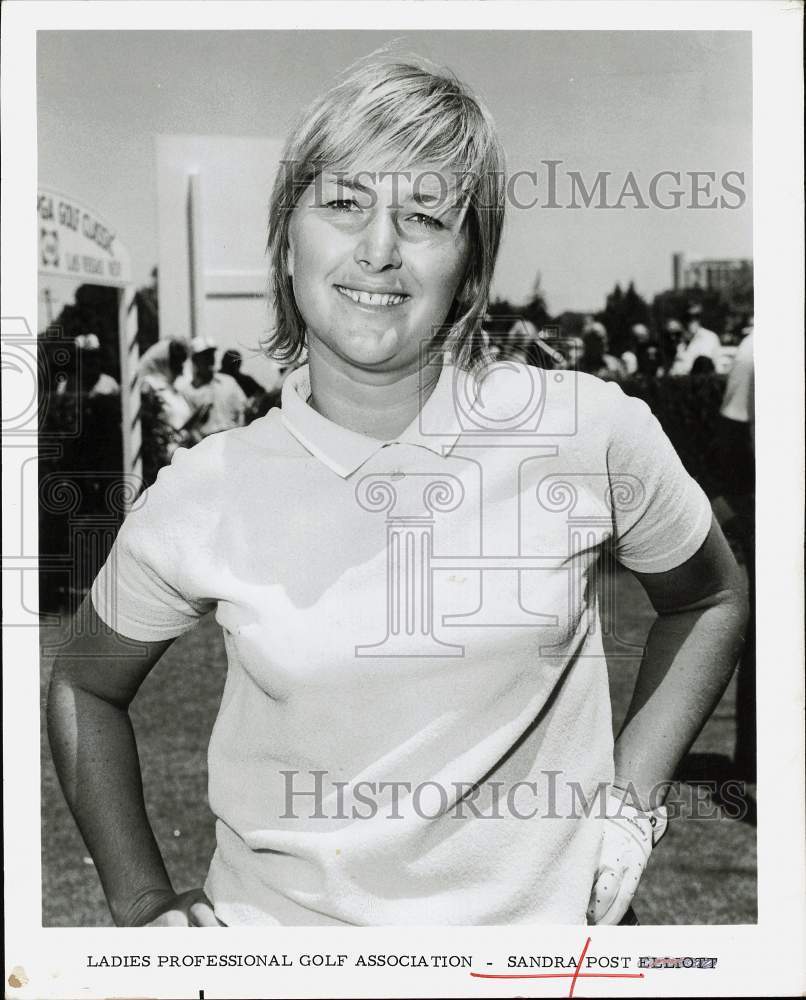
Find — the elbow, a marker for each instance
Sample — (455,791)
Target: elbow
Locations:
(61,719)
(733,602)
(743,611)
(61,694)
(58,686)
(738,597)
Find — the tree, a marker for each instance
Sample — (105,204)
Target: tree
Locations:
(502,313)
(536,309)
(672,304)
(621,312)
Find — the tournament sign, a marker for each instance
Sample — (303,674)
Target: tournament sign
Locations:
(77,244)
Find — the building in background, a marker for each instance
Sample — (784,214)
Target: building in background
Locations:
(212,201)
(710,274)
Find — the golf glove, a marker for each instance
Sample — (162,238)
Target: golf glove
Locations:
(628,836)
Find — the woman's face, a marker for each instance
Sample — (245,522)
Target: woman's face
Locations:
(376,259)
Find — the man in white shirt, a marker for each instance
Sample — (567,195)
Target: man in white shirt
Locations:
(697,342)
(216,398)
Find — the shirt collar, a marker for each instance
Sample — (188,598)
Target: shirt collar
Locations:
(436,427)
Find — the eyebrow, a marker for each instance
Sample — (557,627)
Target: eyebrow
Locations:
(421,198)
(428,200)
(348,182)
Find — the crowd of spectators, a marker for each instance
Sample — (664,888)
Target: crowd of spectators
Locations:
(185,396)
(700,387)
(681,347)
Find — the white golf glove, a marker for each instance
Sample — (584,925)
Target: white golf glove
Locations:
(628,836)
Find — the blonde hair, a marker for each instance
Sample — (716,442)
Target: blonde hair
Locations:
(396,113)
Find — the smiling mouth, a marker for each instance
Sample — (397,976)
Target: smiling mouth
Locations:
(371,298)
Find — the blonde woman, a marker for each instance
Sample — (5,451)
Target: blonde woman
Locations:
(417,696)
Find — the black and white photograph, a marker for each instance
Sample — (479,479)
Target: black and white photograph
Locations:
(384,505)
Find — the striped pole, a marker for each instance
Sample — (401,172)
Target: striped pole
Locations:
(130,395)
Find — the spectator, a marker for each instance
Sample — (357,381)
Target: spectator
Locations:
(595,360)
(696,342)
(643,356)
(216,399)
(671,335)
(98,399)
(703,365)
(524,345)
(255,392)
(159,369)
(650,361)
(168,421)
(231,362)
(273,396)
(92,380)
(629,358)
(574,348)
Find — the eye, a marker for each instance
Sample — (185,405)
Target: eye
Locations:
(426,221)
(342,204)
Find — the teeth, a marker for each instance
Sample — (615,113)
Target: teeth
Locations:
(371,298)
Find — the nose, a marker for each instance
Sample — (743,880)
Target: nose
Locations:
(378,248)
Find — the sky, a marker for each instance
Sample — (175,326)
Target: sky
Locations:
(621,102)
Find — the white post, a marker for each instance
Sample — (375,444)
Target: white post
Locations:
(195,255)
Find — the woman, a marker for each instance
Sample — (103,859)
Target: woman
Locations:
(412,713)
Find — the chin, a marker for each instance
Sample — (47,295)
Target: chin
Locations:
(371,348)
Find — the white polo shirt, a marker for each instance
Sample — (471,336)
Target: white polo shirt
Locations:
(704,343)
(412,635)
(737,403)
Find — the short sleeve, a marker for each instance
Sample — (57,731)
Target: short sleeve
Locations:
(148,588)
(661,516)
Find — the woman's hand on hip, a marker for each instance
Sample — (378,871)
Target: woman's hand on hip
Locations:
(187,909)
(628,836)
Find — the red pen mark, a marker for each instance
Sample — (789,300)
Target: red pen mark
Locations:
(578,968)
(573,976)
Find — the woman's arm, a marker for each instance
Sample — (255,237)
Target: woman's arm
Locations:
(691,652)
(95,676)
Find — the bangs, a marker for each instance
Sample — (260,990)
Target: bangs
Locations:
(385,118)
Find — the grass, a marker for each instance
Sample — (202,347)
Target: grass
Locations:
(704,872)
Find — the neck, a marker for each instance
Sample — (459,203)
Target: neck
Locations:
(378,404)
